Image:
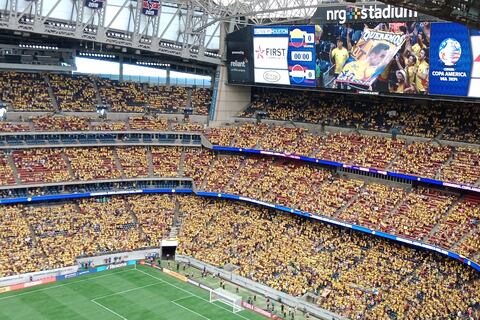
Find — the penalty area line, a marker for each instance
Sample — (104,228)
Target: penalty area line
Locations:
(198,314)
(193,294)
(109,310)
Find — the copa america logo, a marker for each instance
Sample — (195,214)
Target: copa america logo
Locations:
(450,51)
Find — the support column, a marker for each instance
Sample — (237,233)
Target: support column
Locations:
(227,100)
(120,68)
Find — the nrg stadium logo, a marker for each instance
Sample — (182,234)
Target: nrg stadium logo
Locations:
(370,12)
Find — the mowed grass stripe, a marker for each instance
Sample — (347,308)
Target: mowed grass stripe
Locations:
(202,296)
(69,299)
(151,302)
(143,293)
(50,286)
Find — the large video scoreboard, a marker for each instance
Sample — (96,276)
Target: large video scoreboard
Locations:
(379,56)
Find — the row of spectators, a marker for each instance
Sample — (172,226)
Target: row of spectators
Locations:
(427,159)
(25,91)
(29,92)
(420,213)
(418,118)
(43,165)
(412,213)
(355,275)
(53,235)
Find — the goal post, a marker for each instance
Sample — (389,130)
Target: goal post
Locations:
(228,298)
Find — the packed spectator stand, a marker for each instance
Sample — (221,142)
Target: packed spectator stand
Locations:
(448,120)
(419,213)
(358,277)
(300,256)
(24,91)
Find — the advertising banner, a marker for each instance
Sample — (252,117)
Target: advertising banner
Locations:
(272,76)
(400,57)
(285,55)
(270,52)
(475,76)
(369,57)
(150,7)
(4,289)
(175,274)
(239,65)
(450,59)
(94,4)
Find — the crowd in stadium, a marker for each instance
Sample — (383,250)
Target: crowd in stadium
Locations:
(24,91)
(28,92)
(354,275)
(417,213)
(43,237)
(453,121)
(289,254)
(427,159)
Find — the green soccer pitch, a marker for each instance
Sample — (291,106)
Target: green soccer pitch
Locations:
(128,293)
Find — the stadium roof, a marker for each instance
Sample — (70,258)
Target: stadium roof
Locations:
(263,11)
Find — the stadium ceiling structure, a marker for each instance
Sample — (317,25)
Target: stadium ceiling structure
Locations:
(188,29)
(191,30)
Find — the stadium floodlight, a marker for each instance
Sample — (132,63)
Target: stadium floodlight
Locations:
(3,111)
(228,298)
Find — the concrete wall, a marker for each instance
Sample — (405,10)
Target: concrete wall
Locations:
(22,278)
(230,100)
(124,256)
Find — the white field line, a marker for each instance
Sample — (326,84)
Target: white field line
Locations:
(125,291)
(191,295)
(170,284)
(198,314)
(108,309)
(65,284)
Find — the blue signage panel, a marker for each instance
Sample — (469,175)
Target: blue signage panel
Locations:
(450,59)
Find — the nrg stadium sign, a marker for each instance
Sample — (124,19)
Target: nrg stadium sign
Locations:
(365,13)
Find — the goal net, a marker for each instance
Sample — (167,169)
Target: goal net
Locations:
(231,299)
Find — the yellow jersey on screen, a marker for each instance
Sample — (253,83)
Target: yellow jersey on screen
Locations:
(339,56)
